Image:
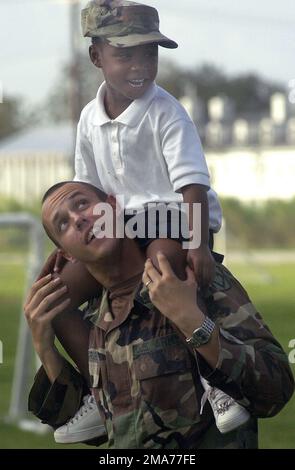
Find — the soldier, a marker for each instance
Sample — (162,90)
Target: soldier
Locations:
(137,141)
(145,377)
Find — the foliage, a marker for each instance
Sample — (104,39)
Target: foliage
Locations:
(267,225)
(64,96)
(15,240)
(249,92)
(10,116)
(12,205)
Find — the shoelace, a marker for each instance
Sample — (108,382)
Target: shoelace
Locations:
(88,403)
(219,403)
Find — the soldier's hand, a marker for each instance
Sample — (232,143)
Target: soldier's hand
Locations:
(40,313)
(173,297)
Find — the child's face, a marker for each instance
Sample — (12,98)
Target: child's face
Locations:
(128,71)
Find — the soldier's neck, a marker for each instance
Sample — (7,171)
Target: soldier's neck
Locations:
(123,266)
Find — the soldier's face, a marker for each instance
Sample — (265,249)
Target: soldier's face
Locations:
(69,215)
(128,71)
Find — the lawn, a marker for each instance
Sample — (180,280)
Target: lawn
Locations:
(12,280)
(271,287)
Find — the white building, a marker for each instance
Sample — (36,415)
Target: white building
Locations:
(34,160)
(253,174)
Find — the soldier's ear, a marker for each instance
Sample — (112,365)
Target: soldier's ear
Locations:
(94,54)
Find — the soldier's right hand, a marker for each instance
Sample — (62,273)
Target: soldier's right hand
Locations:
(39,311)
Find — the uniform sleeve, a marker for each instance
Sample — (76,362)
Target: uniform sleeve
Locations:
(252,366)
(85,168)
(56,403)
(183,153)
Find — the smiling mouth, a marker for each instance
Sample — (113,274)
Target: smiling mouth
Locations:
(90,236)
(136,83)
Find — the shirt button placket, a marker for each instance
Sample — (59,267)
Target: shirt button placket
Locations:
(116,148)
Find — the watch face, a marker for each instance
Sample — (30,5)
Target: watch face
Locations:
(203,334)
(200,337)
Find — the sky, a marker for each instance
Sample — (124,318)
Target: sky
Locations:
(253,36)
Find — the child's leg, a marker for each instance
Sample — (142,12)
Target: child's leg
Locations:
(173,250)
(70,328)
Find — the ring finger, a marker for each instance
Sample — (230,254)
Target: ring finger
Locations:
(150,273)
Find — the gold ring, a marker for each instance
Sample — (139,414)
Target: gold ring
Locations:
(148,283)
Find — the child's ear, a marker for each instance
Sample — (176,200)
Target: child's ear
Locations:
(95,56)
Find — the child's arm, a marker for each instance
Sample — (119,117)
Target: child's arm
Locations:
(200,259)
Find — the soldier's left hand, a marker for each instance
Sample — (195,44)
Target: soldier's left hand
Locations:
(168,293)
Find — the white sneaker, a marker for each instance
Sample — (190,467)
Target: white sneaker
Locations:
(85,425)
(228,413)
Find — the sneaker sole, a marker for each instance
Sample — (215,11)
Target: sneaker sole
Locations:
(233,423)
(80,436)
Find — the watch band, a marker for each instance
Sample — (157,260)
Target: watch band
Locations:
(202,334)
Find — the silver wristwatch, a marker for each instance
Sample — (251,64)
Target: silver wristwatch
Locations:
(202,335)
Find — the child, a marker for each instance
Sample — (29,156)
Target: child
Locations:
(136,140)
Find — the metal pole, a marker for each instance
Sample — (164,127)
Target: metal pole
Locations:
(75,85)
(24,353)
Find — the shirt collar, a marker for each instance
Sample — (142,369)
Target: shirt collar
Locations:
(114,306)
(131,116)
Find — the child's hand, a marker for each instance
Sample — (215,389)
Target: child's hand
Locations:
(202,263)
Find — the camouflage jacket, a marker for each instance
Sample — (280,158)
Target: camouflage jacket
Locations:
(146,380)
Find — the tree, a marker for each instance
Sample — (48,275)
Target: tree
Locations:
(77,83)
(11,117)
(249,92)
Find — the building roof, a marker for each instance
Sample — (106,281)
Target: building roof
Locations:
(57,138)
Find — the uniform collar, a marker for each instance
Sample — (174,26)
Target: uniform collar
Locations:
(115,304)
(131,116)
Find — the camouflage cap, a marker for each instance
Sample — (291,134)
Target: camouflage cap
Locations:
(121,23)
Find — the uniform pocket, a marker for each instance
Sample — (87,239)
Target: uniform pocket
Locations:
(167,391)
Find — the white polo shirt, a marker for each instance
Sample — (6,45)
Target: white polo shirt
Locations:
(147,154)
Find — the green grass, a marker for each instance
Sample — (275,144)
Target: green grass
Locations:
(271,288)
(12,279)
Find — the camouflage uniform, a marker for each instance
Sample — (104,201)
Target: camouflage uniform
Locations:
(121,23)
(146,380)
